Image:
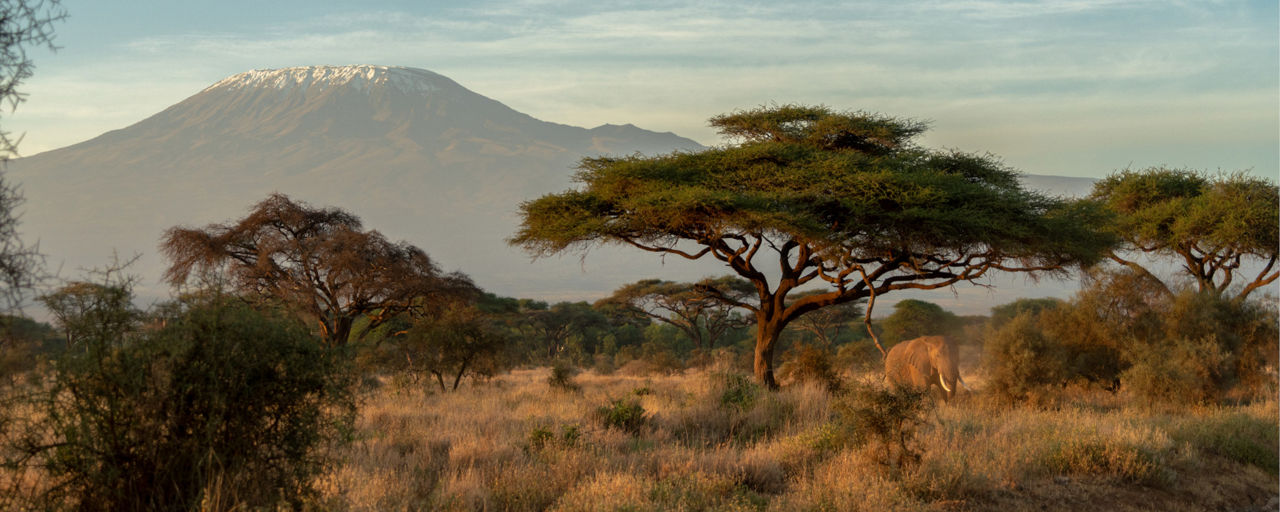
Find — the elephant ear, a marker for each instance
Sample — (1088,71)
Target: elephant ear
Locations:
(936,344)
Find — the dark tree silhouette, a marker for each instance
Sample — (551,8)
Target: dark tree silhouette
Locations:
(317,261)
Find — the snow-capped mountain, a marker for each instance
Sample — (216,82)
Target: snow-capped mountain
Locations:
(413,153)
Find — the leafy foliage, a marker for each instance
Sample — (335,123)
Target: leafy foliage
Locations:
(218,398)
(625,414)
(913,318)
(887,417)
(561,377)
(842,197)
(457,340)
(687,306)
(1210,225)
(555,326)
(317,261)
(1021,360)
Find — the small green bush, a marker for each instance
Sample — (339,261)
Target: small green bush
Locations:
(543,436)
(561,377)
(736,391)
(625,414)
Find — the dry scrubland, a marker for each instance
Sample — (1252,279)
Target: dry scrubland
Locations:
(710,440)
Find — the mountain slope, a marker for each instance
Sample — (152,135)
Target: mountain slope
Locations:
(412,152)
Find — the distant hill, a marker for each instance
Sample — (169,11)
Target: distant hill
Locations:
(413,153)
(1059,185)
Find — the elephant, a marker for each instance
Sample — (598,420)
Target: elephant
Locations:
(924,362)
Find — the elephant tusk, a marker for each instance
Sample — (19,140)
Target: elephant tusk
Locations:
(962,384)
(944,383)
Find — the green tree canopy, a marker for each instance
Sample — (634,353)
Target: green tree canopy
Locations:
(913,318)
(1212,224)
(808,193)
(702,316)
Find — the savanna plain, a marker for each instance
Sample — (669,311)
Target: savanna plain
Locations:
(708,439)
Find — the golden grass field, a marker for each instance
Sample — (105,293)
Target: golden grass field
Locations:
(517,443)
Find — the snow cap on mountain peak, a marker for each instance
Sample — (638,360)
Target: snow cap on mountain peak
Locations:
(407,80)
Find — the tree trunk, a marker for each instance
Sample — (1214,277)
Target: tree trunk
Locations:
(461,371)
(767,332)
(341,331)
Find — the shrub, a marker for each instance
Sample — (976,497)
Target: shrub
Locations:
(1021,360)
(735,390)
(561,377)
(625,414)
(1179,371)
(222,400)
(859,356)
(888,417)
(809,363)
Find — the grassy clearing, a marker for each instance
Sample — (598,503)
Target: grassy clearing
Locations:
(710,440)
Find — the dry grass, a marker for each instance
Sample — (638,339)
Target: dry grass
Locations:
(516,443)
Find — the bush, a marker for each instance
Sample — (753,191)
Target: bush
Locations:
(221,400)
(1021,361)
(625,414)
(1180,371)
(887,417)
(859,356)
(809,363)
(1204,347)
(735,390)
(561,377)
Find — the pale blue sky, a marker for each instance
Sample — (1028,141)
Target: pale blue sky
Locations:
(1067,87)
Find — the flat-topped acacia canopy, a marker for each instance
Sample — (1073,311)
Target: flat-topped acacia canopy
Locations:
(842,197)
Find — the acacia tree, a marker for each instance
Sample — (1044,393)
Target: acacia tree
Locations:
(703,317)
(317,261)
(457,340)
(809,194)
(1212,224)
(553,326)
